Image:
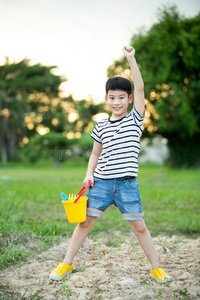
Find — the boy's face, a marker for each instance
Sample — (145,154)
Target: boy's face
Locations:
(118,102)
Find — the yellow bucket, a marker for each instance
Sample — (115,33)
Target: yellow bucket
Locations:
(76,212)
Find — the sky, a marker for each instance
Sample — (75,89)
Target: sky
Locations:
(81,37)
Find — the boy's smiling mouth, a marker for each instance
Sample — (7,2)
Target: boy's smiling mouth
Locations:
(117,108)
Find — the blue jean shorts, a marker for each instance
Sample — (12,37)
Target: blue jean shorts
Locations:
(123,193)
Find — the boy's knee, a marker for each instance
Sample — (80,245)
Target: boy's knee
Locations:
(89,222)
(138,226)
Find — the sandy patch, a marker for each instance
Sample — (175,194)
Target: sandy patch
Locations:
(108,268)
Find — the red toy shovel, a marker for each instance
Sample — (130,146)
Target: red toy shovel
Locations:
(82,191)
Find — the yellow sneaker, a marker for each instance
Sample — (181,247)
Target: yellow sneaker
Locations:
(160,276)
(61,271)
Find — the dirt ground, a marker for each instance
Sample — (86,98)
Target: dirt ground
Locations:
(108,268)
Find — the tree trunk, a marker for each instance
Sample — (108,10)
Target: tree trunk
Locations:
(4,155)
(12,145)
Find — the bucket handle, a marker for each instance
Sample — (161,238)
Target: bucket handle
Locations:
(82,191)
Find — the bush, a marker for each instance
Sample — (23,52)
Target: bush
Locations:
(51,146)
(82,147)
(185,154)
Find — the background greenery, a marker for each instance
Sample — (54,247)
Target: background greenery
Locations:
(169,58)
(32,216)
(31,104)
(168,55)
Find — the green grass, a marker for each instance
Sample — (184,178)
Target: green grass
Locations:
(31,208)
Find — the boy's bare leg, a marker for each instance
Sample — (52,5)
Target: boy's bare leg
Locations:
(144,238)
(78,238)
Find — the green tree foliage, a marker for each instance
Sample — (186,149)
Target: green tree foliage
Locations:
(169,55)
(85,110)
(28,98)
(30,103)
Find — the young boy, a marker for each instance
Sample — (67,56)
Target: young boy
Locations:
(114,162)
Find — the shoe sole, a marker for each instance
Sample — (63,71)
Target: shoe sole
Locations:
(164,280)
(55,276)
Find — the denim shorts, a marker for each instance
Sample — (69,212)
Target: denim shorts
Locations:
(122,192)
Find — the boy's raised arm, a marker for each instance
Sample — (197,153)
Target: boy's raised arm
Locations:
(139,99)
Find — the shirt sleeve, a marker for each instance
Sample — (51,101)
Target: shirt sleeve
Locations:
(137,117)
(95,134)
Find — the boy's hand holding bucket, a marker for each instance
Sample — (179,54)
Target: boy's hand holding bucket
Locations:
(76,210)
(82,191)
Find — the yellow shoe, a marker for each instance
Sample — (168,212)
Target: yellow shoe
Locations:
(160,276)
(61,271)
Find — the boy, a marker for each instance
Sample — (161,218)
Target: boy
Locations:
(114,162)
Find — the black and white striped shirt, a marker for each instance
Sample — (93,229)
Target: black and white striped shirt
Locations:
(121,146)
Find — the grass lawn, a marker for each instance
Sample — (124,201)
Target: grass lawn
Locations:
(31,208)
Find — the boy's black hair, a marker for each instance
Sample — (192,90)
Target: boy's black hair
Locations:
(119,83)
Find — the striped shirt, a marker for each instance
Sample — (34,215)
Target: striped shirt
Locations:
(121,145)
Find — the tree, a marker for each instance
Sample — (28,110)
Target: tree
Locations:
(29,97)
(85,109)
(11,124)
(169,57)
(30,103)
